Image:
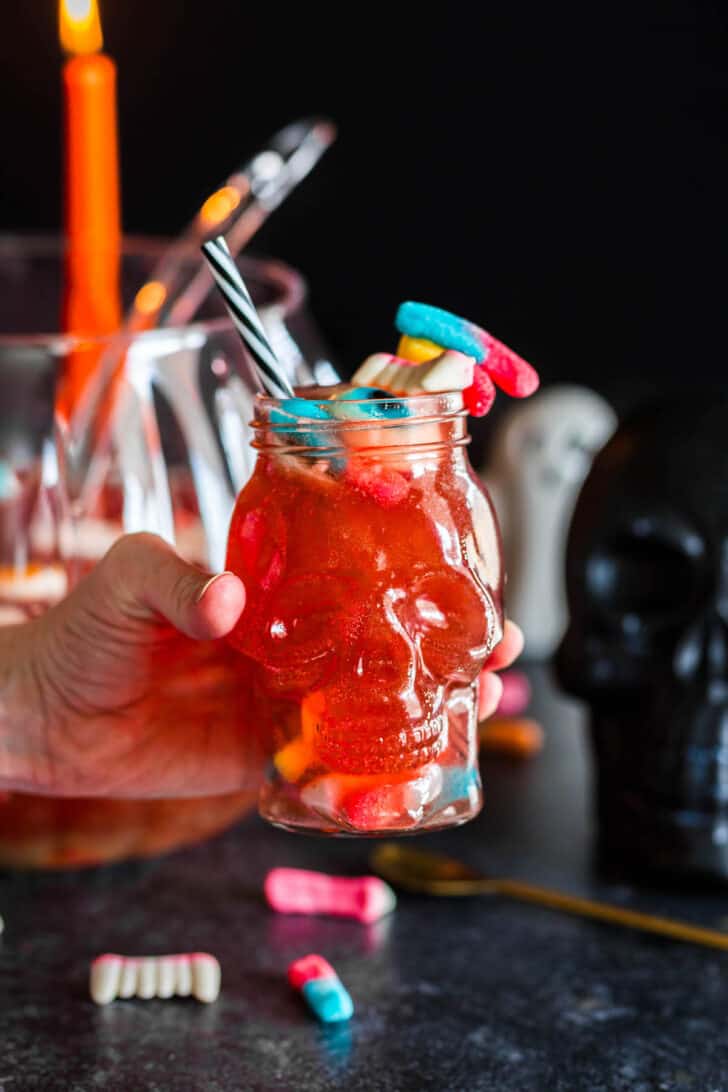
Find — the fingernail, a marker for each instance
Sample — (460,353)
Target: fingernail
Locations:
(208,583)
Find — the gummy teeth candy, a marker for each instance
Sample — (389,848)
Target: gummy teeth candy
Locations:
(196,974)
(450,371)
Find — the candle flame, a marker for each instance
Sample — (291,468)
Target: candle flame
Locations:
(219,206)
(79,26)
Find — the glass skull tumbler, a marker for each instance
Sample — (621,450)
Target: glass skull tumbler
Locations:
(371,559)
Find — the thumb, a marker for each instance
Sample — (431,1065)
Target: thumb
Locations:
(144,578)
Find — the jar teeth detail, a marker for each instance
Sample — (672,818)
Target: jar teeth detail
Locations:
(387,746)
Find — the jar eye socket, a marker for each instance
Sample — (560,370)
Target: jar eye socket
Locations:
(446,616)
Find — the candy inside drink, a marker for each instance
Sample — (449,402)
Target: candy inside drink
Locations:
(371,560)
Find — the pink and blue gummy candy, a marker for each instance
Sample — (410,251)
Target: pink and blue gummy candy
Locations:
(322,989)
(507,369)
(433,324)
(370,402)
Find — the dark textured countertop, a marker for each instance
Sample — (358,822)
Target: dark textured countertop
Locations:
(459,996)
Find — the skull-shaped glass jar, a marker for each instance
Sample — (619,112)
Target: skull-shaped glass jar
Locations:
(371,559)
(647,643)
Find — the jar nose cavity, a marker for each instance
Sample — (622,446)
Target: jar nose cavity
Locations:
(386,657)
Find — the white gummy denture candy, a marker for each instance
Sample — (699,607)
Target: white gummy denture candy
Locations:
(196,974)
(451,371)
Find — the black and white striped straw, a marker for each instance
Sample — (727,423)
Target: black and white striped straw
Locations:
(245,317)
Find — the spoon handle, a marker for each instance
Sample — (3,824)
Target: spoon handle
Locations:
(615,915)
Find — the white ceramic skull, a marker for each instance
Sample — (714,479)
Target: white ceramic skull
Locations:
(541,456)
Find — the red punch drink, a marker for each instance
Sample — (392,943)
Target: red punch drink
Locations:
(371,560)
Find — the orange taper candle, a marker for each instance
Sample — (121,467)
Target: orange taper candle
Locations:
(92,303)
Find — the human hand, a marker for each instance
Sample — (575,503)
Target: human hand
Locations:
(502,656)
(125,690)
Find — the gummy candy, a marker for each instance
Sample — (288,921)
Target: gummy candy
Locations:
(297,891)
(480,396)
(508,370)
(322,989)
(417,349)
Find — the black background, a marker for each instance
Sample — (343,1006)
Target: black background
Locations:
(560,177)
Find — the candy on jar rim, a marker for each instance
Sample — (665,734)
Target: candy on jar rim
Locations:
(508,370)
(361,403)
(418,349)
(448,371)
(479,397)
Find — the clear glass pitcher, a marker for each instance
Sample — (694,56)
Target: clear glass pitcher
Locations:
(164,448)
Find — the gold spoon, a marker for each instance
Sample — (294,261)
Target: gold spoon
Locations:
(433,874)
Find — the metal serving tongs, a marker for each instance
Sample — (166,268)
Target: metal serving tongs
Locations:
(433,874)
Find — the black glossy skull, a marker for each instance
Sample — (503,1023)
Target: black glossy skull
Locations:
(647,644)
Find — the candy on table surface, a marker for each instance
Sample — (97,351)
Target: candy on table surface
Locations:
(516,694)
(195,974)
(508,370)
(307,967)
(417,349)
(518,737)
(328,999)
(298,891)
(449,371)
(322,989)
